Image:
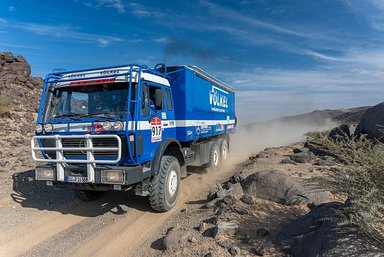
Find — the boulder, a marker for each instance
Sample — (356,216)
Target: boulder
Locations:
(340,132)
(212,193)
(372,123)
(236,191)
(177,238)
(302,157)
(317,234)
(247,199)
(226,228)
(276,186)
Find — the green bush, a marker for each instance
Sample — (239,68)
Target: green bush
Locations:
(360,179)
(6,105)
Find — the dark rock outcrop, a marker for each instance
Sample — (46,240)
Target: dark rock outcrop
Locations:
(372,123)
(16,83)
(317,234)
(340,132)
(274,185)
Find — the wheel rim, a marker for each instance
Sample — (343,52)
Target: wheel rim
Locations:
(172,183)
(215,158)
(224,152)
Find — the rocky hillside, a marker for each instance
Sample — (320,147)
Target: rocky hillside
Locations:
(19,99)
(319,117)
(17,85)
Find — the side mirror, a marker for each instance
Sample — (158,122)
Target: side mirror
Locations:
(159,98)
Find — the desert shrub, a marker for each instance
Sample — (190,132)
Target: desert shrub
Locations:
(361,180)
(6,105)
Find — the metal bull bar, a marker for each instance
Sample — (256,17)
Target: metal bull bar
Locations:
(61,161)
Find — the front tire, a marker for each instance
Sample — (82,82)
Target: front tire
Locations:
(165,185)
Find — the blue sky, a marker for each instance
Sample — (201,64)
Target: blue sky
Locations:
(283,57)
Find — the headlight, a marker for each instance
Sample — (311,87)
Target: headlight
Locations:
(113,176)
(39,128)
(48,127)
(118,125)
(107,125)
(44,174)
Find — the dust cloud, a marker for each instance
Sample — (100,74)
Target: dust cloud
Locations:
(248,139)
(255,137)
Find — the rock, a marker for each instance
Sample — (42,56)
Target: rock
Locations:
(234,250)
(370,123)
(203,226)
(340,132)
(192,239)
(236,191)
(7,56)
(212,203)
(258,250)
(247,199)
(229,200)
(276,186)
(241,210)
(213,191)
(302,157)
(288,161)
(245,239)
(221,193)
(176,238)
(226,243)
(317,234)
(210,254)
(296,150)
(262,232)
(29,117)
(224,214)
(25,129)
(253,157)
(224,228)
(238,177)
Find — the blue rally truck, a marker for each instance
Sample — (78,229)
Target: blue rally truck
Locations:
(131,126)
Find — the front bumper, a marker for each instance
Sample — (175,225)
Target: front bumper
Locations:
(75,176)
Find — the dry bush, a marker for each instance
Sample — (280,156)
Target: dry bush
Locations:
(6,105)
(361,180)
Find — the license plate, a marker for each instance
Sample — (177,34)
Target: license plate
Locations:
(74,179)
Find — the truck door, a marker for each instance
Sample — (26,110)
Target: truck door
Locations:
(157,121)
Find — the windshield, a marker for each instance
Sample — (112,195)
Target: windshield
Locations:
(109,101)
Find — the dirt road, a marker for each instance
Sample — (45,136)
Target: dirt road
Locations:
(43,221)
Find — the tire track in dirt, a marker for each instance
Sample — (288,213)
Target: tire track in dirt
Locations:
(127,237)
(43,228)
(112,226)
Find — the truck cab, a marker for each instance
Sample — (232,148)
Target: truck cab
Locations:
(115,128)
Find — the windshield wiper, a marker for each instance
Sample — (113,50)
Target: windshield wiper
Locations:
(65,116)
(97,115)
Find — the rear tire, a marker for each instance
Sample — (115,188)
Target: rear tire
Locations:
(223,150)
(214,156)
(164,186)
(88,195)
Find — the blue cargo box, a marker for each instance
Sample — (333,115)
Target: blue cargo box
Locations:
(204,106)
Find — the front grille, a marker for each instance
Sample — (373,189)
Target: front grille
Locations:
(80,142)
